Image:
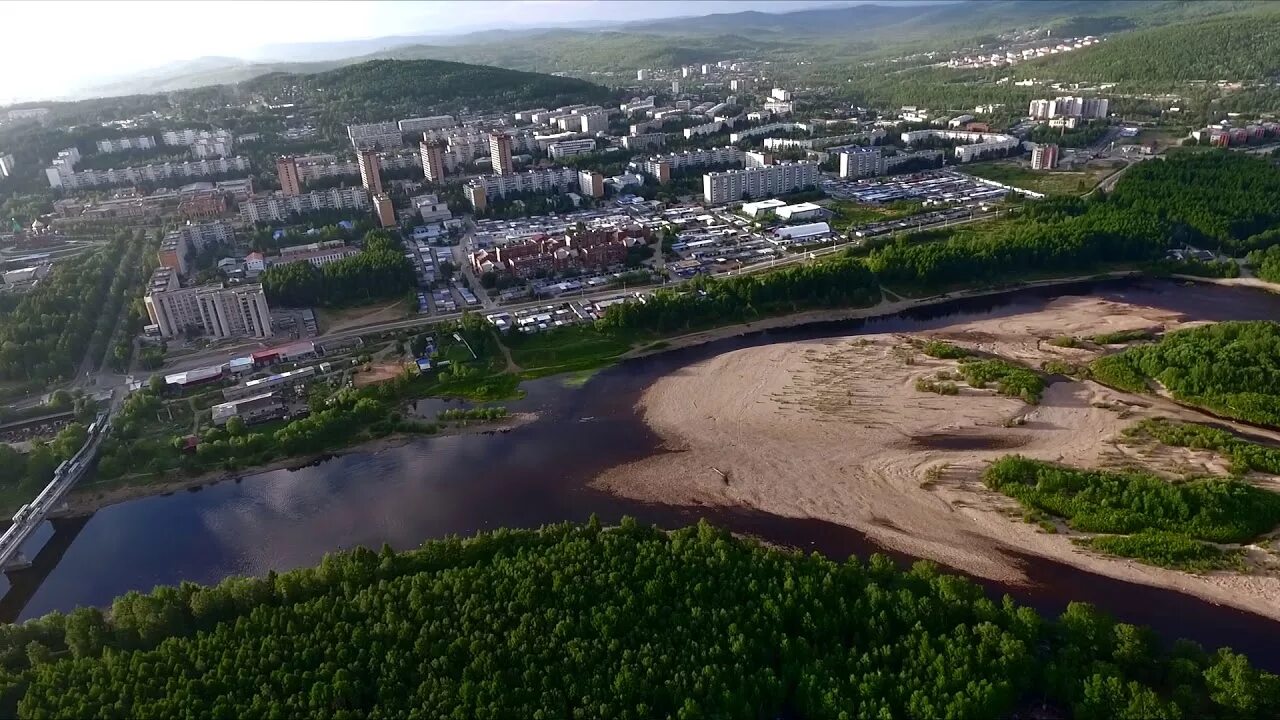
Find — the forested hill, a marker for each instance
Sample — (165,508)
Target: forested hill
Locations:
(1244,47)
(412,85)
(632,623)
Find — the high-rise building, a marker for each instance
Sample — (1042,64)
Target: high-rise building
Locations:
(675,87)
(861,162)
(287,171)
(731,185)
(1044,157)
(173,253)
(500,153)
(591,183)
(433,165)
(215,310)
(384,210)
(370,177)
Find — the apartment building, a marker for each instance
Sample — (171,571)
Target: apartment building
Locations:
(593,122)
(189,137)
(644,141)
(287,172)
(6,165)
(500,153)
(63,176)
(1067,106)
(732,185)
(709,157)
(435,122)
(200,235)
(595,249)
(375,136)
(591,183)
(569,148)
(318,254)
(978,143)
(276,206)
(384,210)
(1044,157)
(370,171)
(549,180)
(219,311)
(144,142)
(861,162)
(433,161)
(173,253)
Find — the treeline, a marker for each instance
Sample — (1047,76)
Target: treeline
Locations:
(1231,368)
(48,332)
(840,282)
(380,271)
(1266,263)
(1143,516)
(35,468)
(581,622)
(1245,456)
(1081,136)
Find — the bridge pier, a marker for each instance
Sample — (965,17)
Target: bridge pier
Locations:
(17,562)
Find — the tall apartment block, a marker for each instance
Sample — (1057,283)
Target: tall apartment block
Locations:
(215,310)
(500,153)
(433,165)
(287,171)
(370,167)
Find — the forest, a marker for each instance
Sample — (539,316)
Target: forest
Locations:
(579,621)
(397,87)
(1266,263)
(1230,368)
(379,271)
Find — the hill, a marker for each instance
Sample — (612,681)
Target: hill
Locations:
(394,86)
(1237,48)
(628,623)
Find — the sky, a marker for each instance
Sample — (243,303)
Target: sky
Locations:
(49,48)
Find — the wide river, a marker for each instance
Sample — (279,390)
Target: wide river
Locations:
(537,474)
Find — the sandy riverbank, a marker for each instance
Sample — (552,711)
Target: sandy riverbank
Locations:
(86,499)
(834,429)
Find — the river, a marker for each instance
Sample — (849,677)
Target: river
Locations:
(538,473)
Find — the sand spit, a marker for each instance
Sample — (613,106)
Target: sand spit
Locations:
(835,429)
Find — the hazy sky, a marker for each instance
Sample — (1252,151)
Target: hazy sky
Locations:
(49,47)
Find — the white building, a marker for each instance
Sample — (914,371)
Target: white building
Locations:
(595,122)
(6,165)
(799,212)
(979,143)
(727,155)
(435,122)
(189,137)
(1067,106)
(431,208)
(276,206)
(144,142)
(644,141)
(62,175)
(214,310)
(318,254)
(201,235)
(549,180)
(710,128)
(569,148)
(861,162)
(756,209)
(731,185)
(780,95)
(384,135)
(959,120)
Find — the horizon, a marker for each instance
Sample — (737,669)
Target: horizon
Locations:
(142,41)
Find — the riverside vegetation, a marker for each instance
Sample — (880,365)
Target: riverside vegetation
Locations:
(577,621)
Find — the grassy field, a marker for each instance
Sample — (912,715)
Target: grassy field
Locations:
(846,212)
(1049,182)
(567,349)
(335,319)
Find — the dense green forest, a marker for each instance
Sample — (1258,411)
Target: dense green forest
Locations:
(1231,368)
(582,622)
(380,271)
(412,86)
(1136,505)
(1236,48)
(1266,263)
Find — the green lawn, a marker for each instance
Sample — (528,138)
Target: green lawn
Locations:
(1049,182)
(564,350)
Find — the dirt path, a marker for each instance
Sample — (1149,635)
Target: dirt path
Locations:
(512,367)
(835,429)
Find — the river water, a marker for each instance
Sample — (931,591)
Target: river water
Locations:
(538,473)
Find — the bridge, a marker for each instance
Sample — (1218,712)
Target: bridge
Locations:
(49,501)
